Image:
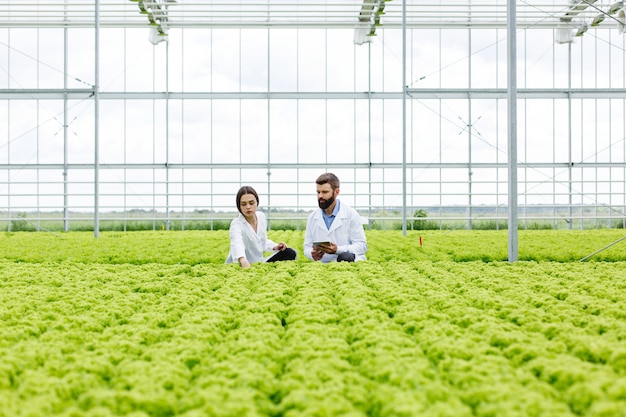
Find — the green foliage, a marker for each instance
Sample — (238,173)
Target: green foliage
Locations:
(155,324)
(489,225)
(420,222)
(287,225)
(435,323)
(194,247)
(146,220)
(21,224)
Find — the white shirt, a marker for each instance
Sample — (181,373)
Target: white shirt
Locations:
(346,231)
(244,241)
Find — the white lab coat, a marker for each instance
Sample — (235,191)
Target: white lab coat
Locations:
(346,231)
(244,241)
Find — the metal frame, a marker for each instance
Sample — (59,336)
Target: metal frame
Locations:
(387,182)
(296,13)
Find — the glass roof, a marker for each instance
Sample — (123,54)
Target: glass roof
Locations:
(303,13)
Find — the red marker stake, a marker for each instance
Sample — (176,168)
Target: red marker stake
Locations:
(420,241)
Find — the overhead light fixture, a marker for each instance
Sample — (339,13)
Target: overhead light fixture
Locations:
(621,21)
(598,19)
(577,6)
(613,8)
(142,7)
(381,7)
(563,34)
(369,20)
(575,19)
(582,29)
(157,13)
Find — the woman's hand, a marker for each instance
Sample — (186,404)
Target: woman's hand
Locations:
(244,262)
(281,246)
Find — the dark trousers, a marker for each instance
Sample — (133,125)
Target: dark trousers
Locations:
(346,257)
(283,255)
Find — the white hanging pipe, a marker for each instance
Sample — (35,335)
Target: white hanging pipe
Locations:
(570,189)
(96,98)
(404,88)
(512,129)
(66,212)
(167,139)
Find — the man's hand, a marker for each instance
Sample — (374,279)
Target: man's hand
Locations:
(330,248)
(315,254)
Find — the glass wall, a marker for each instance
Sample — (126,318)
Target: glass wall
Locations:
(184,123)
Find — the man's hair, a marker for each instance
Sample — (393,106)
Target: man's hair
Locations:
(328,178)
(246,189)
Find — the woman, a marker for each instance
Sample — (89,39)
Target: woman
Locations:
(248,237)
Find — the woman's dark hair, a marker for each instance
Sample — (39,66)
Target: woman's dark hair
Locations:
(328,178)
(246,189)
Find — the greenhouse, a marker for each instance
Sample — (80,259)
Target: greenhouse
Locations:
(481,144)
(160,110)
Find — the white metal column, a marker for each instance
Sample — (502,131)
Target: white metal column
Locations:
(512,129)
(96,123)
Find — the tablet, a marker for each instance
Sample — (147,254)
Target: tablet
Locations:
(321,243)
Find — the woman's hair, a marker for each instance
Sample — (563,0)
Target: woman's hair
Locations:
(246,189)
(328,178)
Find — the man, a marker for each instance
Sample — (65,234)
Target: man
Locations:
(334,232)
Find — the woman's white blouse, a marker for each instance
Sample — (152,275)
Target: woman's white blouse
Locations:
(244,241)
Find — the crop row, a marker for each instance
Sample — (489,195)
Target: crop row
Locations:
(375,338)
(202,247)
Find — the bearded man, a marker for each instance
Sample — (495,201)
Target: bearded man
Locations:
(334,232)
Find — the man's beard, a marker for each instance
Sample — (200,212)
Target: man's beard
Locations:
(324,205)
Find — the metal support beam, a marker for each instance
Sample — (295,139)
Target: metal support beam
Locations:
(96,156)
(512,129)
(414,93)
(404,96)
